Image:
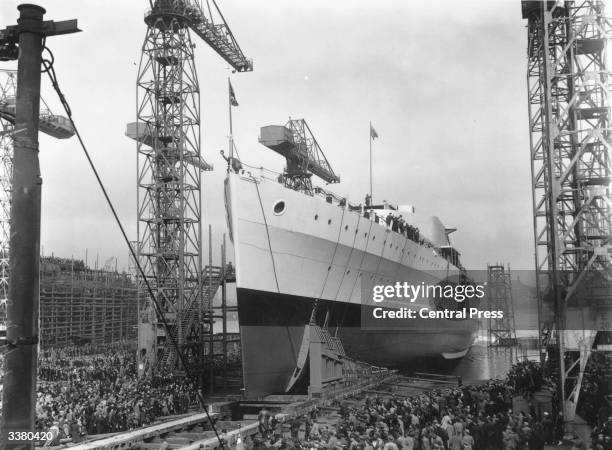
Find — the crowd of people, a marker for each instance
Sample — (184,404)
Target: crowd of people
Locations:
(397,224)
(90,393)
(460,418)
(477,417)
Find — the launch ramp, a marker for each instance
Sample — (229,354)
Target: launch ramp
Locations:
(323,359)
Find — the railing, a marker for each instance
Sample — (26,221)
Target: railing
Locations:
(342,202)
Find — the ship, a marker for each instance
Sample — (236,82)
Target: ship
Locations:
(306,255)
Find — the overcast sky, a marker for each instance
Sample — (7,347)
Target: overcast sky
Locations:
(442,82)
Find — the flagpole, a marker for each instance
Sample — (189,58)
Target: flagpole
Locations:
(370,132)
(231,137)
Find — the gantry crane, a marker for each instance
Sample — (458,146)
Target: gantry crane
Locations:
(570,119)
(56,126)
(296,143)
(170,164)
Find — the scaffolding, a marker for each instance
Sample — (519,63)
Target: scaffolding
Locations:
(82,305)
(57,126)
(568,83)
(225,344)
(501,330)
(8,87)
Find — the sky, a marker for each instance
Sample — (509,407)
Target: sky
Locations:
(442,82)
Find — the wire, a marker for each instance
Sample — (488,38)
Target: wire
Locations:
(263,213)
(49,70)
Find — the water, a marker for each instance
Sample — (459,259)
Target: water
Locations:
(490,363)
(481,362)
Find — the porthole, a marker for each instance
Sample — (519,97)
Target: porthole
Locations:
(373,238)
(316,217)
(345,227)
(329,222)
(279,207)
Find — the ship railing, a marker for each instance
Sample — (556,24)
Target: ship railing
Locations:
(334,199)
(260,172)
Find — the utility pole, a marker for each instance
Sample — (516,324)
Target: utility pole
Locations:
(24,42)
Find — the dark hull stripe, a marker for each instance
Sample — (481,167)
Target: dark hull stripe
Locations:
(272,326)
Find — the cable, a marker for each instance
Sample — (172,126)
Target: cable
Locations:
(313,313)
(49,70)
(263,213)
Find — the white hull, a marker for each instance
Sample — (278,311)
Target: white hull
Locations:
(311,250)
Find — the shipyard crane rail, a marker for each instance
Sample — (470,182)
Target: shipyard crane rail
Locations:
(297,144)
(201,20)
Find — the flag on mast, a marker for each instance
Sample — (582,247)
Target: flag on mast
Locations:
(373,133)
(232,95)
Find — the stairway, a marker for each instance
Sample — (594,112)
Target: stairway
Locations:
(212,278)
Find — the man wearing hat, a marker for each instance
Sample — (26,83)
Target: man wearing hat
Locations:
(55,435)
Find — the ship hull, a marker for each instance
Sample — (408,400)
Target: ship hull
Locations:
(315,252)
(272,329)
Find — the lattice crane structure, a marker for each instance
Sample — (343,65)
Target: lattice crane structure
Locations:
(502,330)
(296,143)
(169,178)
(55,126)
(568,79)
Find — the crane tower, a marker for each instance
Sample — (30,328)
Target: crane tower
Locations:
(568,81)
(169,177)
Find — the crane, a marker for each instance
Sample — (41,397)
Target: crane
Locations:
(217,35)
(296,143)
(58,127)
(170,166)
(568,86)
